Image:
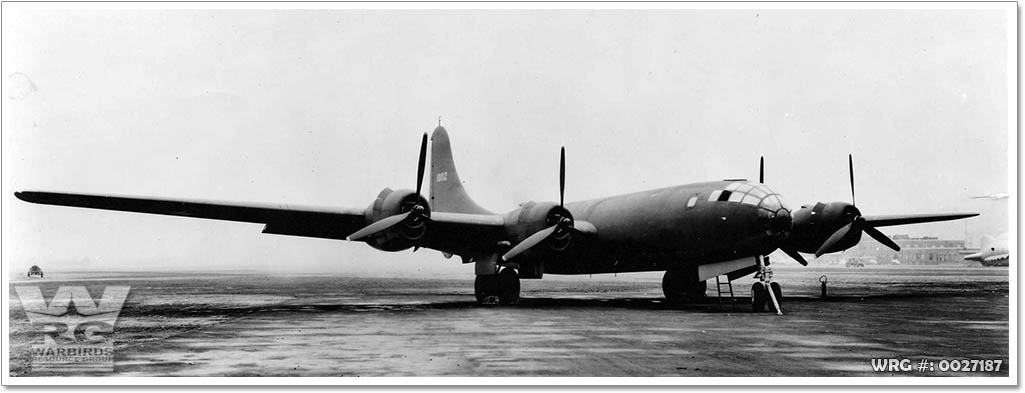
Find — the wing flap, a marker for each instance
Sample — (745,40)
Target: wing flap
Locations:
(466,234)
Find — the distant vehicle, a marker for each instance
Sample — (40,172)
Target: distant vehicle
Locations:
(992,251)
(35,271)
(854,263)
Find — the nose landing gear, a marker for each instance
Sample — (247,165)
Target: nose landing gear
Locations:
(766,292)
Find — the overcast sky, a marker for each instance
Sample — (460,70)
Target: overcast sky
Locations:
(325,108)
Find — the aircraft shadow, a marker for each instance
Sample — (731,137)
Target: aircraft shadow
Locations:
(710,305)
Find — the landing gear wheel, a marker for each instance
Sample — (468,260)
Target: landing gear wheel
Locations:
(485,289)
(696,291)
(776,291)
(681,286)
(508,286)
(758,297)
(673,288)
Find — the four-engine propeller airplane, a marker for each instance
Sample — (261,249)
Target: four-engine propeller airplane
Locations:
(693,232)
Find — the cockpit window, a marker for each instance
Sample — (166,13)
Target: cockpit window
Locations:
(751,199)
(749,194)
(758,192)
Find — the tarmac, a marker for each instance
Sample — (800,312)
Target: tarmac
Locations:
(256,324)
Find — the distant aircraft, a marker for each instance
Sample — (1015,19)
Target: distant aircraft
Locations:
(996,196)
(992,252)
(693,232)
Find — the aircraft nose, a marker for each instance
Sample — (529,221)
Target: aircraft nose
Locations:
(778,223)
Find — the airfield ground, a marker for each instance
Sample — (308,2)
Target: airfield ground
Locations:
(262,325)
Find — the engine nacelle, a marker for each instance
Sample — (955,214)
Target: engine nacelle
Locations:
(410,231)
(532,217)
(813,225)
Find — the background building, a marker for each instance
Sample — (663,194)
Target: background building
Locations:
(913,251)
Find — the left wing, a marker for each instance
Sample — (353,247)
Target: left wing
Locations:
(903,219)
(454,231)
(327,223)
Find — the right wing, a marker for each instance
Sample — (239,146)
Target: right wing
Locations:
(327,223)
(904,219)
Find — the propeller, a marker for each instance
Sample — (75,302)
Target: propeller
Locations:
(561,224)
(415,213)
(562,175)
(795,255)
(787,250)
(857,223)
(761,170)
(850,166)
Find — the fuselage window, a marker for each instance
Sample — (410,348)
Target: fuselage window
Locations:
(714,196)
(692,201)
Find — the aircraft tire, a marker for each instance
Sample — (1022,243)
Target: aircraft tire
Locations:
(673,288)
(696,291)
(508,287)
(485,288)
(758,297)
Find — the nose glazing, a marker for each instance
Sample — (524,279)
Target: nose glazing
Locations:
(777,223)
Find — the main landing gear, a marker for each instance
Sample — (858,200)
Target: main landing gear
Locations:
(683,286)
(766,292)
(500,288)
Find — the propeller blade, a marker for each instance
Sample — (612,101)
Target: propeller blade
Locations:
(562,175)
(881,237)
(378,226)
(850,165)
(796,256)
(834,238)
(529,242)
(761,169)
(423,162)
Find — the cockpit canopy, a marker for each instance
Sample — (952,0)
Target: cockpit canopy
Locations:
(750,194)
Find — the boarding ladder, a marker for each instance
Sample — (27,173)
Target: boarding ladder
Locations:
(719,284)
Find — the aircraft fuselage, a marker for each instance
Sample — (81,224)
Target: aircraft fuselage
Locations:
(670,228)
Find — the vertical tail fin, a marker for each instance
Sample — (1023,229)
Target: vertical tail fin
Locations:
(447,192)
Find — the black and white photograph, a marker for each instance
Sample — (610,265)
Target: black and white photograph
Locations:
(510,193)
